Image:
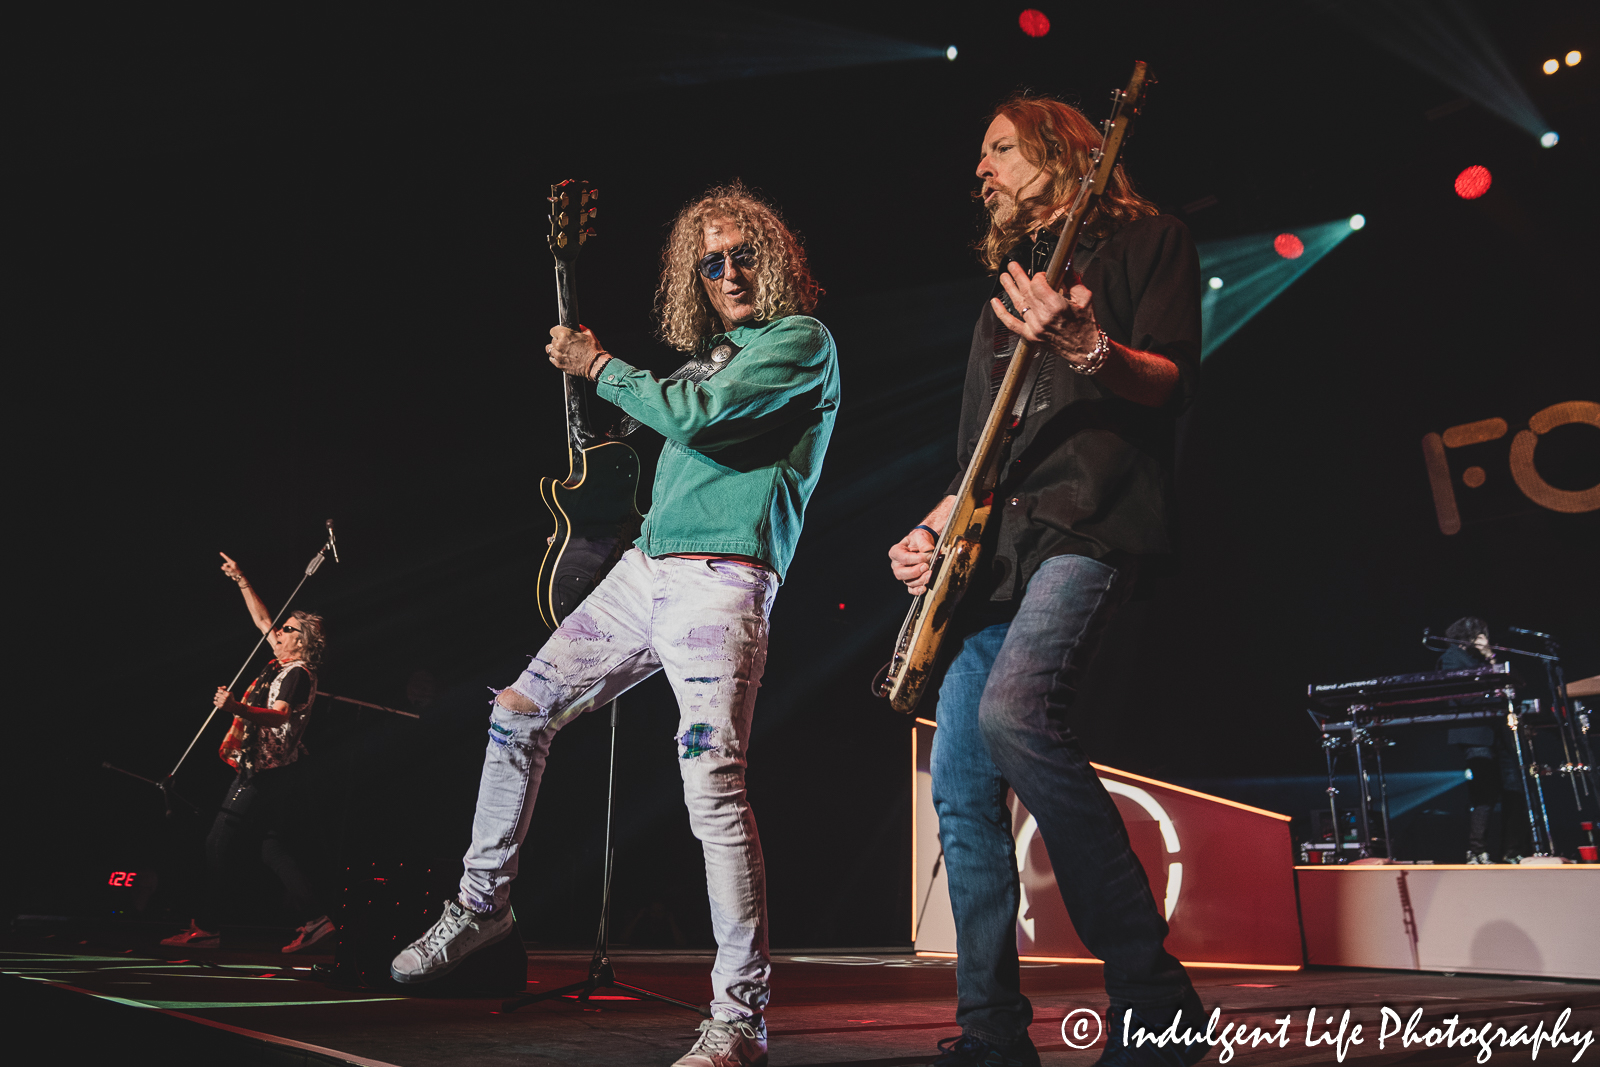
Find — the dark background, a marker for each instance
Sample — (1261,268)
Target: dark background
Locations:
(285,269)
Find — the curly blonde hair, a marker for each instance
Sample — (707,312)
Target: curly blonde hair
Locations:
(1057,139)
(781,279)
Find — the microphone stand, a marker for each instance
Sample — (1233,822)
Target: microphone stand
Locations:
(165,784)
(601,974)
(1578,761)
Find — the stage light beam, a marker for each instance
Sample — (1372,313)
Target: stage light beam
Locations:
(1473,182)
(1256,274)
(717,41)
(1551,66)
(1550,139)
(1448,40)
(1288,246)
(1215,283)
(950,53)
(1574,57)
(1357,221)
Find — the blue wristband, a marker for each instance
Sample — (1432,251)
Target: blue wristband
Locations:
(931,531)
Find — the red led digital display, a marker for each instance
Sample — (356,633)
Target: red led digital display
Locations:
(123,878)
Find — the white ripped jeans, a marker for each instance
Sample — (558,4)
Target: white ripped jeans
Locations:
(704,622)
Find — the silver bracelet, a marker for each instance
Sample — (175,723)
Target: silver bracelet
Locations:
(1096,358)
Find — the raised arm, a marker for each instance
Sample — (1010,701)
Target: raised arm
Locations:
(258,609)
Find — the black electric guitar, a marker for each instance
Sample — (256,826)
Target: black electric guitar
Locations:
(594,506)
(916,652)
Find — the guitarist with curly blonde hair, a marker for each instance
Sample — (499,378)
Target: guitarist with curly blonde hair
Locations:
(746,425)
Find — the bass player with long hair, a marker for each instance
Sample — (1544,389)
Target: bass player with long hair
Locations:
(1083,497)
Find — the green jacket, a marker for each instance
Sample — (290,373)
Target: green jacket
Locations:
(744,448)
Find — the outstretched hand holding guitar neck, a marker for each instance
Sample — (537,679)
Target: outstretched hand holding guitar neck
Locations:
(577,352)
(1064,324)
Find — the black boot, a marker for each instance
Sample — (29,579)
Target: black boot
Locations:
(1156,1020)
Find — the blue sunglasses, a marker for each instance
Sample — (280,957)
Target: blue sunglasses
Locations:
(712,264)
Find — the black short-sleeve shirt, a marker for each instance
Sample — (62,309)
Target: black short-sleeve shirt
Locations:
(1090,473)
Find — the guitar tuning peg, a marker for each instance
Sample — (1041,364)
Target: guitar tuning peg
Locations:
(563,221)
(583,235)
(594,194)
(592,212)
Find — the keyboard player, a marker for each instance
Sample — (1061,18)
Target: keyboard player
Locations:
(1495,783)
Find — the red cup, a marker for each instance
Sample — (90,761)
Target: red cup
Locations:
(1590,853)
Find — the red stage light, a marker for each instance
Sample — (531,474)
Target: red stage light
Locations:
(1034,23)
(1288,246)
(1473,183)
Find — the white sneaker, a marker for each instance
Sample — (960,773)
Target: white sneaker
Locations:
(311,934)
(727,1044)
(194,937)
(458,933)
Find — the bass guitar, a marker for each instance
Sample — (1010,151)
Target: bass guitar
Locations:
(594,506)
(959,548)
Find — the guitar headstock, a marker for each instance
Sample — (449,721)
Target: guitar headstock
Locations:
(572,209)
(1125,105)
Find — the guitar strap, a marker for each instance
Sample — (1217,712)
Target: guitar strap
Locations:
(697,369)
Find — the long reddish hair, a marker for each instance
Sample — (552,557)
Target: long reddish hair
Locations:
(1057,139)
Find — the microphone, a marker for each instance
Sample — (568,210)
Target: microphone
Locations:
(333,544)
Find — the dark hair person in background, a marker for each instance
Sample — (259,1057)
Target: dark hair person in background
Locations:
(1496,783)
(262,743)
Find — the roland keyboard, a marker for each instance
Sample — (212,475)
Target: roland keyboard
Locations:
(1496,682)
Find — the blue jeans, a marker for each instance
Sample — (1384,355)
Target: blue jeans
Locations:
(703,622)
(1002,722)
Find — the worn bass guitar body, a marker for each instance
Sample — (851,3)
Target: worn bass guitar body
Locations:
(595,506)
(959,548)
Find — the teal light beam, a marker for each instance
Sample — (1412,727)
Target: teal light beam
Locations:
(708,42)
(1445,39)
(1252,275)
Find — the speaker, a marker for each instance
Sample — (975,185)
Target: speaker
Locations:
(387,904)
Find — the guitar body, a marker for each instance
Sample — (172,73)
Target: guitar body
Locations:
(597,517)
(916,652)
(595,507)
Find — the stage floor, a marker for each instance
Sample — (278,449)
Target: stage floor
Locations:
(869,1010)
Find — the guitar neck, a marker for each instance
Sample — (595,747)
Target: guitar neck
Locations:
(578,435)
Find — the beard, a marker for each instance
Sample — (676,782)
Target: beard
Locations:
(1002,208)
